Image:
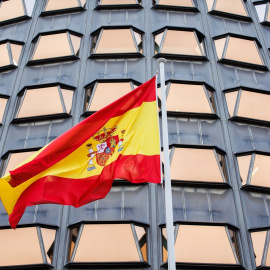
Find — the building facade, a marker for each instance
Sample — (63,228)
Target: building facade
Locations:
(62,60)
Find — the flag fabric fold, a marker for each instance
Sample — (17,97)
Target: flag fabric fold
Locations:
(121,141)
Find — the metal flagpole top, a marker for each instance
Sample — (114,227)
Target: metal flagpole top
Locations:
(161,60)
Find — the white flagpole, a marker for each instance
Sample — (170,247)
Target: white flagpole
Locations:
(167,172)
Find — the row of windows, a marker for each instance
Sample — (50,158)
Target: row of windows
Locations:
(173,43)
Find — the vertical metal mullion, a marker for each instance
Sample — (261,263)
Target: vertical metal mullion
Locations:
(171,155)
(162,40)
(24,7)
(10,53)
(225,47)
(92,95)
(214,5)
(199,44)
(41,244)
(266,12)
(250,170)
(134,39)
(21,99)
(79,3)
(208,98)
(77,242)
(35,47)
(231,243)
(219,166)
(62,99)
(168,89)
(258,50)
(238,99)
(99,37)
(136,241)
(176,230)
(70,43)
(266,247)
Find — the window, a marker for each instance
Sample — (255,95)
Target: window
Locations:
(94,95)
(234,7)
(189,98)
(3,103)
(181,43)
(56,47)
(15,159)
(186,4)
(10,52)
(197,165)
(15,10)
(118,4)
(44,101)
(34,245)
(241,51)
(263,12)
(53,6)
(254,169)
(108,243)
(113,42)
(260,241)
(203,244)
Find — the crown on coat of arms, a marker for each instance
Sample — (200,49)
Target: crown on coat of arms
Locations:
(103,134)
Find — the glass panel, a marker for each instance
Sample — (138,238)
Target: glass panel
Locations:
(180,3)
(254,105)
(42,101)
(107,243)
(20,246)
(181,42)
(258,240)
(61,4)
(76,41)
(195,165)
(73,238)
(261,171)
(51,46)
(29,4)
(268,15)
(243,50)
(4,59)
(141,235)
(187,98)
(158,39)
(116,41)
(16,52)
(220,43)
(11,9)
(17,159)
(210,4)
(138,38)
(267,262)
(68,97)
(3,103)
(112,91)
(231,101)
(83,3)
(203,244)
(261,11)
(244,164)
(48,237)
(117,2)
(231,6)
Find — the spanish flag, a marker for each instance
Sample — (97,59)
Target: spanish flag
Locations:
(121,141)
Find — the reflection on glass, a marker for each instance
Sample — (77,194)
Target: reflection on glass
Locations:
(57,45)
(61,4)
(45,101)
(17,159)
(203,244)
(228,6)
(181,42)
(94,96)
(261,9)
(117,2)
(188,98)
(196,165)
(116,41)
(108,243)
(179,3)
(258,241)
(48,237)
(3,103)
(15,251)
(11,9)
(239,49)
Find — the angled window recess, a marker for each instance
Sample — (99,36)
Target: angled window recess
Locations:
(203,245)
(239,51)
(95,93)
(3,103)
(260,241)
(38,250)
(254,170)
(62,6)
(186,44)
(10,52)
(15,10)
(193,165)
(175,5)
(189,99)
(228,8)
(249,106)
(263,12)
(118,4)
(39,103)
(108,243)
(14,159)
(115,43)
(55,47)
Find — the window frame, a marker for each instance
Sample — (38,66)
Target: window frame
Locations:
(138,5)
(156,5)
(21,95)
(237,63)
(227,226)
(198,36)
(96,35)
(59,59)
(79,265)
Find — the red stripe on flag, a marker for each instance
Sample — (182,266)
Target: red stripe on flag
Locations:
(76,136)
(78,192)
